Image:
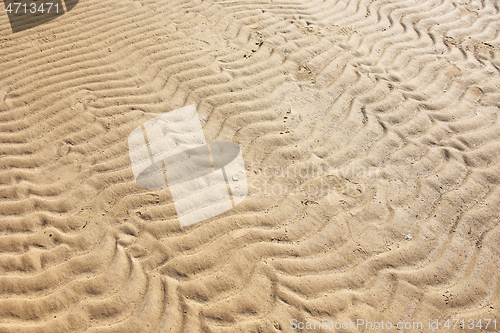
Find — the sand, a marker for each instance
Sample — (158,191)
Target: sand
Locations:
(370,132)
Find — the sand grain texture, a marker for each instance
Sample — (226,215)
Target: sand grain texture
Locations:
(400,99)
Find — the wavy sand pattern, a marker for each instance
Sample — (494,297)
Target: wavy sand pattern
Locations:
(400,99)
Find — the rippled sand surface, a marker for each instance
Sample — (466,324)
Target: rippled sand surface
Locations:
(370,132)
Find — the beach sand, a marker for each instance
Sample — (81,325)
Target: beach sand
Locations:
(370,132)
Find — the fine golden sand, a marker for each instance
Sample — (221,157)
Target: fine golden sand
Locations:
(370,132)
